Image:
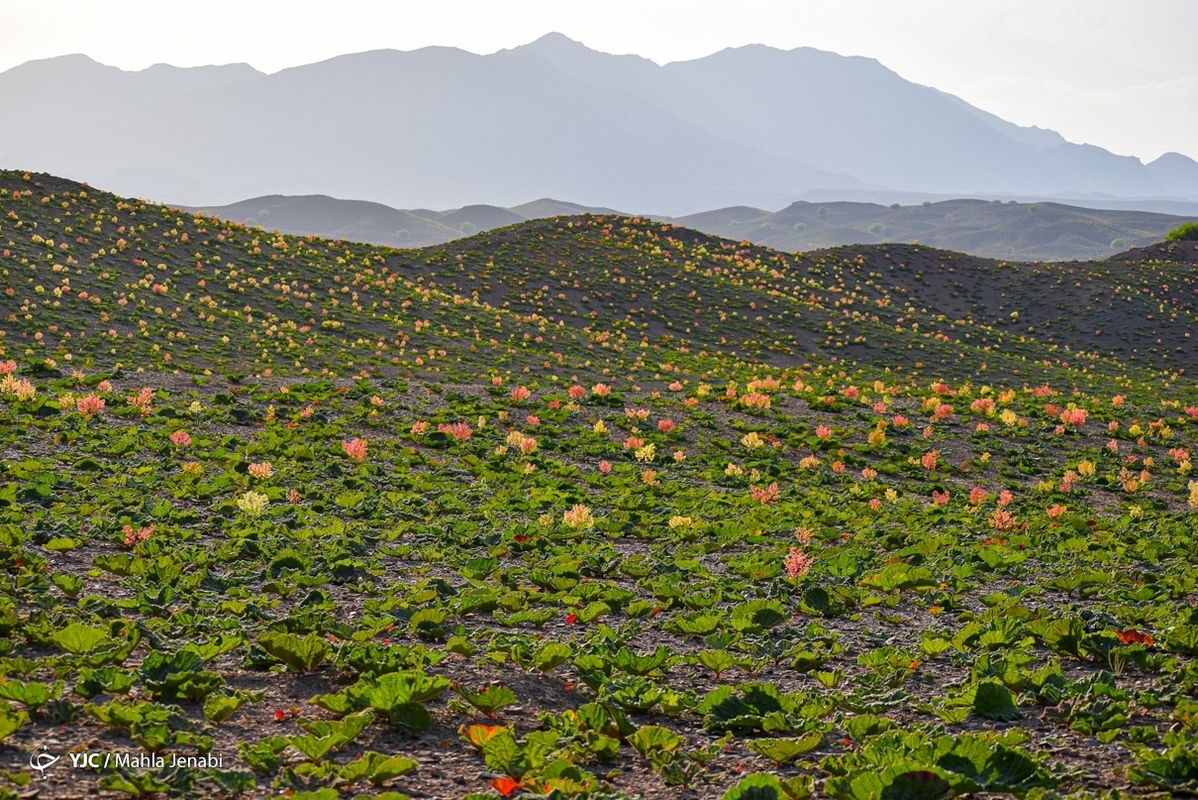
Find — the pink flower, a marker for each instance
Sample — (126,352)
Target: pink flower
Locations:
(797,563)
(940,498)
(633,443)
(521,393)
(601,389)
(899,421)
(1074,416)
(823,433)
(180,439)
(533,420)
(90,405)
(875,503)
(460,430)
(605,467)
(355,449)
(135,535)
(766,495)
(1002,520)
(1005,498)
(418,428)
(1055,510)
(8,367)
(675,387)
(577,392)
(261,470)
(983,405)
(665,425)
(929,459)
(977,496)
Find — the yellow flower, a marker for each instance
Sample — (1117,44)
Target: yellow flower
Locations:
(253,503)
(751,440)
(647,453)
(578,518)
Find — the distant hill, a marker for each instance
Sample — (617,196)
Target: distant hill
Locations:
(1020,231)
(1016,231)
(374,223)
(442,128)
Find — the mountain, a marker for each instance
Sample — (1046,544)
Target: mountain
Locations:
(1177,173)
(1041,231)
(442,128)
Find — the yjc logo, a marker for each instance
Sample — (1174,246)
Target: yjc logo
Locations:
(42,761)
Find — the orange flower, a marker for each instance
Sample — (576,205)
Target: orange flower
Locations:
(355,449)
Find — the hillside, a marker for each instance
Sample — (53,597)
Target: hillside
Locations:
(996,230)
(588,278)
(442,128)
(587,507)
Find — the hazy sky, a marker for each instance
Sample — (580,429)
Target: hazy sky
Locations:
(1119,74)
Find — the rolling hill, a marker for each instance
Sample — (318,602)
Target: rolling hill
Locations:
(585,278)
(1015,231)
(442,128)
(594,506)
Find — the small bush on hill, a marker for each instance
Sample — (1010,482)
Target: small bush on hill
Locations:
(1186,232)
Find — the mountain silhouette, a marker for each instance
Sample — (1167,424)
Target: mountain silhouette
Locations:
(443,128)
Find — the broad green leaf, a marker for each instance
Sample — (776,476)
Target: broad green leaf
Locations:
(783,751)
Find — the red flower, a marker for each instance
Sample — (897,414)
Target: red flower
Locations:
(505,785)
(1133,636)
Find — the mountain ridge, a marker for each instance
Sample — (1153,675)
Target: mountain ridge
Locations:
(1040,231)
(441,127)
